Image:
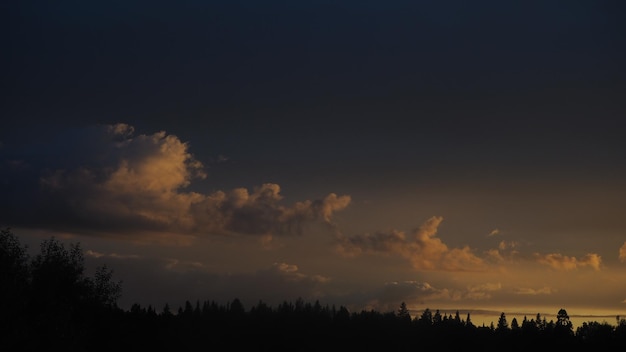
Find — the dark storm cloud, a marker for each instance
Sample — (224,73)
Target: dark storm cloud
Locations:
(107,179)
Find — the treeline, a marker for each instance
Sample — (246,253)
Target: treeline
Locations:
(48,303)
(306,326)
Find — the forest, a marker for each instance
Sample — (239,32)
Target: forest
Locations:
(47,302)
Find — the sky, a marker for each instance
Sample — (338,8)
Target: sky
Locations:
(446,154)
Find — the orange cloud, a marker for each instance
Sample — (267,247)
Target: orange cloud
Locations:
(482,291)
(493,232)
(259,212)
(290,272)
(138,184)
(421,247)
(96,254)
(533,292)
(561,262)
(622,253)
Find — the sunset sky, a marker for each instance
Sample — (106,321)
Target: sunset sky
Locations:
(448,154)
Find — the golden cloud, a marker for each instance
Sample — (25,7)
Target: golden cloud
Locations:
(563,262)
(622,253)
(139,186)
(421,248)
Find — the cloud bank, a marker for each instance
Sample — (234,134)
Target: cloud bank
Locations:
(421,247)
(563,262)
(105,179)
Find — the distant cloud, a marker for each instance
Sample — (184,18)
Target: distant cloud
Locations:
(506,250)
(290,273)
(622,253)
(174,264)
(389,296)
(494,255)
(504,245)
(95,254)
(533,292)
(110,180)
(493,232)
(416,293)
(421,247)
(562,262)
(482,291)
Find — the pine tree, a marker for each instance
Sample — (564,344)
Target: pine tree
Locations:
(403,312)
(502,324)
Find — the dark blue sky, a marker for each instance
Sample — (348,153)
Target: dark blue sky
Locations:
(376,82)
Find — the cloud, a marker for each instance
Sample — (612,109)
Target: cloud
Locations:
(622,253)
(416,293)
(421,247)
(510,245)
(506,250)
(494,232)
(562,262)
(482,291)
(95,254)
(534,292)
(106,179)
(389,297)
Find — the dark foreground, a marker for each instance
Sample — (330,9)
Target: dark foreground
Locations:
(48,304)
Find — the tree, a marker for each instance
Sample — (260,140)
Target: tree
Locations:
(403,312)
(236,307)
(105,292)
(57,305)
(14,283)
(427,317)
(540,322)
(57,278)
(563,324)
(502,324)
(468,321)
(13,263)
(167,312)
(342,316)
(457,317)
(437,318)
(562,319)
(514,324)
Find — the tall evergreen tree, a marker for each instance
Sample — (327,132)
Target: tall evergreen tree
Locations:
(427,317)
(403,312)
(468,321)
(502,323)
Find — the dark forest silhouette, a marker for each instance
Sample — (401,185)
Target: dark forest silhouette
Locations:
(47,302)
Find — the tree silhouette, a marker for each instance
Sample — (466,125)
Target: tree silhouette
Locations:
(47,302)
(514,324)
(562,320)
(437,318)
(403,312)
(14,286)
(502,323)
(468,321)
(426,318)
